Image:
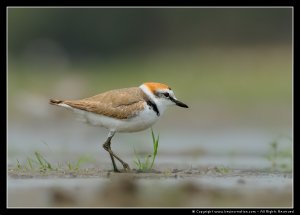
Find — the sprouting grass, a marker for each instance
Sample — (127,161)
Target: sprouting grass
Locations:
(39,163)
(280,159)
(19,166)
(148,161)
(222,169)
(43,163)
(83,159)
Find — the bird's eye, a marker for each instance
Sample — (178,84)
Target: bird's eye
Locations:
(166,95)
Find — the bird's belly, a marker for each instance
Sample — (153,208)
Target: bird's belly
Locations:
(141,121)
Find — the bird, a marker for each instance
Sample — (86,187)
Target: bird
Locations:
(123,110)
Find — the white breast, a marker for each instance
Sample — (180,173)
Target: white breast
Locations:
(145,119)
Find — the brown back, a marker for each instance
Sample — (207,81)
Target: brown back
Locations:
(121,104)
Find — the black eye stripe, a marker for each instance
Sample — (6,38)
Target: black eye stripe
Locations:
(160,94)
(166,94)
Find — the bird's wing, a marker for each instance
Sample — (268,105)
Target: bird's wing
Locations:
(120,104)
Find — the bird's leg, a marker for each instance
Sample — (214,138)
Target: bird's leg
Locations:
(107,147)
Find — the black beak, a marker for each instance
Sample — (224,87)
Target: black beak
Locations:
(179,103)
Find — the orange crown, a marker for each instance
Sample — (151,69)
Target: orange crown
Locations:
(153,86)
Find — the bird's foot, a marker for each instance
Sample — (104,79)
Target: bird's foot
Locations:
(116,170)
(126,167)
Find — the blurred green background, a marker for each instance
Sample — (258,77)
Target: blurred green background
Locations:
(232,66)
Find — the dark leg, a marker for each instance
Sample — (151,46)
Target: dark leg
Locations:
(107,147)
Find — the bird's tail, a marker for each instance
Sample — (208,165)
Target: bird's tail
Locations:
(55,101)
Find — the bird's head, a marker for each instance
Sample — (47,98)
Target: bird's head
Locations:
(162,95)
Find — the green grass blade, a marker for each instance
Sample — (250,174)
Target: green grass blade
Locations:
(29,163)
(69,165)
(38,157)
(19,165)
(153,137)
(155,148)
(83,159)
(42,161)
(148,161)
(137,160)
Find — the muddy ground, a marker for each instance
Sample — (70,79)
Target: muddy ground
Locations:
(225,168)
(194,187)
